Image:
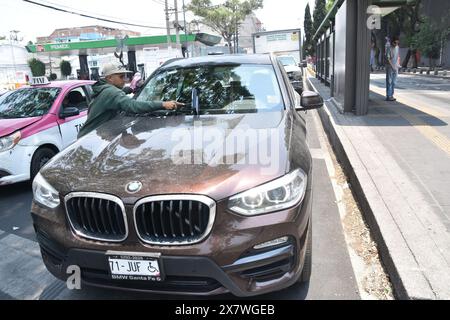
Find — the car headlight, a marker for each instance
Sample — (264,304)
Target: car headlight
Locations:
(44,193)
(279,194)
(10,141)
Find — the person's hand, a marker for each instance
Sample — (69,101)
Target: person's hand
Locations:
(172,105)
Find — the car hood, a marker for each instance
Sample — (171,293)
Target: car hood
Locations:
(8,126)
(292,68)
(168,155)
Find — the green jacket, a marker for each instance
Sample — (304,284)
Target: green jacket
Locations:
(108,102)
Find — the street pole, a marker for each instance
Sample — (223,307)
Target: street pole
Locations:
(169,42)
(50,63)
(237,37)
(177,30)
(185,31)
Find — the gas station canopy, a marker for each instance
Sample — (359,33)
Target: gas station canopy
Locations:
(110,45)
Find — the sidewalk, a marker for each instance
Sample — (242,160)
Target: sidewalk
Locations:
(398,161)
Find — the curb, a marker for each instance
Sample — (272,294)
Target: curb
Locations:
(403,281)
(442,74)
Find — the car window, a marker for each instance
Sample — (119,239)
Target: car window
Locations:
(76,98)
(245,88)
(287,61)
(27,102)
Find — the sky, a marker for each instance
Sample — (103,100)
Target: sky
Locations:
(33,21)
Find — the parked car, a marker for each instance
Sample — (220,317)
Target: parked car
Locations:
(36,122)
(214,197)
(294,71)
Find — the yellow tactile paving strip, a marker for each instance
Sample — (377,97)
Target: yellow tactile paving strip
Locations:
(439,139)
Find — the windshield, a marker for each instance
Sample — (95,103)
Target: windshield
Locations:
(287,61)
(29,102)
(218,89)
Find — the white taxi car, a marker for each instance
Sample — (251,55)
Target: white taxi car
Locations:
(38,121)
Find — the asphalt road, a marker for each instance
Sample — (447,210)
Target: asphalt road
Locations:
(23,275)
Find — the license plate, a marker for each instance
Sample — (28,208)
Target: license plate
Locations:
(134,266)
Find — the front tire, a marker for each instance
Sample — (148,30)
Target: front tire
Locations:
(40,158)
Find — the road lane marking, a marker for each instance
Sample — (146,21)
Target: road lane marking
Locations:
(317,153)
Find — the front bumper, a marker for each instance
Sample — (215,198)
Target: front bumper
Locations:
(223,262)
(15,164)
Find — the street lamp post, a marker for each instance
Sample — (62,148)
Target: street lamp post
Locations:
(13,36)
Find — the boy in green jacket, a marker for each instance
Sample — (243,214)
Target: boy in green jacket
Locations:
(109,99)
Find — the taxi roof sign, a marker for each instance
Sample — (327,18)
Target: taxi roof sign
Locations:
(39,81)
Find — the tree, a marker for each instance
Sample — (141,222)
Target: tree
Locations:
(431,38)
(37,67)
(66,68)
(308,48)
(319,14)
(329,5)
(408,20)
(224,18)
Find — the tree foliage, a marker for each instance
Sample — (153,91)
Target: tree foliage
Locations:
(406,20)
(308,48)
(66,68)
(431,37)
(224,18)
(329,5)
(37,67)
(319,14)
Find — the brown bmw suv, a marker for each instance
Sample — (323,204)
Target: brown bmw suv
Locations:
(211,198)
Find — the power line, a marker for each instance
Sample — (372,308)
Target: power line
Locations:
(161,2)
(82,11)
(90,16)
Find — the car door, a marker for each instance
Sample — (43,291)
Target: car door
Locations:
(76,97)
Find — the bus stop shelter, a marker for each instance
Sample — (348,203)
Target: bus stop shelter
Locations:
(343,50)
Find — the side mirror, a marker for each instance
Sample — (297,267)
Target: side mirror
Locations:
(69,112)
(310,100)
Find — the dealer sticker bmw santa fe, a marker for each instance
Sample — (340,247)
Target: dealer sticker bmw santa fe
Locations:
(134,266)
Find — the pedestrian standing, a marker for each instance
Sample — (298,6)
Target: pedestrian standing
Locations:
(392,68)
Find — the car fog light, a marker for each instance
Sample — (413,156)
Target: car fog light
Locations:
(271,243)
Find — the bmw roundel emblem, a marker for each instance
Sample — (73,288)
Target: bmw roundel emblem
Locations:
(133,187)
